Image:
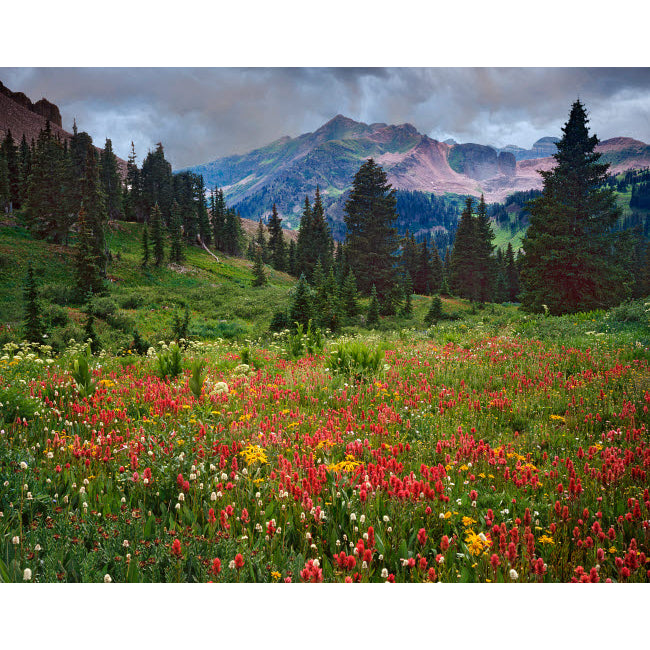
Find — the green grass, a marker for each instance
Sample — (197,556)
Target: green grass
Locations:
(221,299)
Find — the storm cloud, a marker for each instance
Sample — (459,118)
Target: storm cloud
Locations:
(200,114)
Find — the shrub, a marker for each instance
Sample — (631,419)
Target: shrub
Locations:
(131,301)
(196,380)
(56,316)
(82,376)
(356,359)
(169,362)
(104,307)
(280,321)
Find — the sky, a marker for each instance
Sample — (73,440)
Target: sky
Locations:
(204,113)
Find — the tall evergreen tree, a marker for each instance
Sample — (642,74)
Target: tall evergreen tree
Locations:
(157,182)
(25,154)
(463,276)
(484,262)
(175,235)
(350,296)
(111,182)
(291,258)
(87,265)
(371,238)
(9,151)
(322,244)
(301,307)
(573,260)
(157,236)
(259,275)
(259,243)
(33,328)
(218,218)
(372,315)
(132,197)
(277,247)
(512,274)
(93,200)
(233,233)
(303,245)
(48,211)
(145,246)
(203,218)
(5,190)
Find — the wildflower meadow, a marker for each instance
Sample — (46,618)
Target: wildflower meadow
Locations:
(456,455)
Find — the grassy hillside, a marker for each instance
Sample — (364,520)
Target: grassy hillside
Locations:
(220,297)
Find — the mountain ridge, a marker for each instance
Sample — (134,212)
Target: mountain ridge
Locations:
(287,169)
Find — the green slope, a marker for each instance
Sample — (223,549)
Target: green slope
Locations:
(220,297)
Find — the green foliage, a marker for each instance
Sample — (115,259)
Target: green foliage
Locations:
(371,239)
(356,359)
(169,362)
(157,236)
(435,311)
(573,260)
(259,275)
(82,374)
(245,355)
(33,328)
(197,377)
(180,327)
(139,345)
(372,315)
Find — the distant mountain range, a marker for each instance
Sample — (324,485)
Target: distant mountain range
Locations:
(286,170)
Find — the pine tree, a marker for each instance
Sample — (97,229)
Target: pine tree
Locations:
(145,246)
(157,183)
(463,275)
(484,262)
(87,264)
(25,155)
(435,311)
(407,309)
(132,197)
(33,328)
(9,151)
(303,245)
(110,182)
(371,238)
(5,191)
(157,236)
(175,235)
(372,315)
(259,275)
(573,261)
(322,244)
(48,210)
(277,248)
(94,204)
(203,218)
(301,308)
(259,242)
(350,296)
(233,233)
(218,218)
(291,258)
(512,274)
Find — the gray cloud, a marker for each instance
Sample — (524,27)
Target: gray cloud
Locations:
(200,114)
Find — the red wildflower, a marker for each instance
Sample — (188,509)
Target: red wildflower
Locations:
(216,566)
(176,549)
(422,536)
(239,561)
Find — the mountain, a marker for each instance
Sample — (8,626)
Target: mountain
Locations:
(286,170)
(20,115)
